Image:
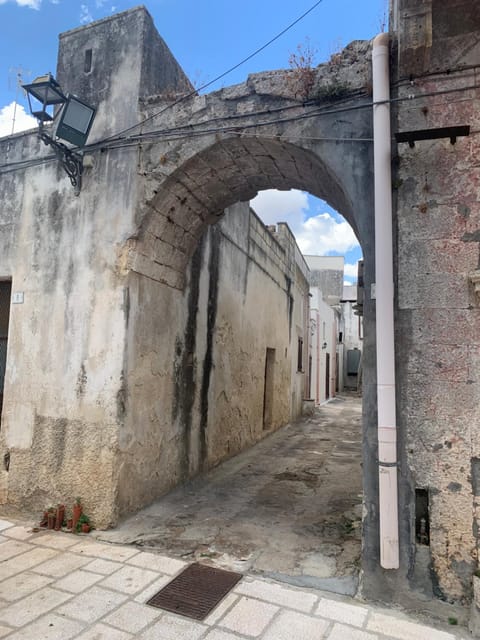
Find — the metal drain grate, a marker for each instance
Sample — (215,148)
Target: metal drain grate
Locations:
(196,591)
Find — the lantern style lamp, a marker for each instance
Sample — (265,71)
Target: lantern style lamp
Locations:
(75,121)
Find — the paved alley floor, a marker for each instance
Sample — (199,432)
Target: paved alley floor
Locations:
(289,508)
(61,586)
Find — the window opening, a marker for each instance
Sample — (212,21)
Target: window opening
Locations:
(87,67)
(422,519)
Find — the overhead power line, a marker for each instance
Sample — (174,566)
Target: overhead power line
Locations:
(196,130)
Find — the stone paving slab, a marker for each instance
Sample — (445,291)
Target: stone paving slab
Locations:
(56,586)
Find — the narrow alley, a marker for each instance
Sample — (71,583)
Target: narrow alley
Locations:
(289,509)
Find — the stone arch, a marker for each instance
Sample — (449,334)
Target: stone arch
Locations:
(196,159)
(229,171)
(188,183)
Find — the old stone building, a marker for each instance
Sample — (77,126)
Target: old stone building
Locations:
(101,341)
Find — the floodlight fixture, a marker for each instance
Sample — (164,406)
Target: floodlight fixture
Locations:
(75,122)
(76,119)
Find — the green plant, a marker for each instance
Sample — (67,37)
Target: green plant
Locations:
(84,519)
(452,620)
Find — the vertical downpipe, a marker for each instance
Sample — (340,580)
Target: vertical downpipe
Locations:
(387,429)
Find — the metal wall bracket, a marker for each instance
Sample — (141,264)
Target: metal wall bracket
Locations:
(432,134)
(70,161)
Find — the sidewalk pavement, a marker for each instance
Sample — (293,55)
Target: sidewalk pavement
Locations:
(58,586)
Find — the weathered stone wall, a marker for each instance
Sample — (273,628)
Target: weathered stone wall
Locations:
(195,371)
(128,61)
(64,389)
(437,214)
(298,288)
(66,341)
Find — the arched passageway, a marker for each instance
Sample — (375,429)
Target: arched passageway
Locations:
(167,288)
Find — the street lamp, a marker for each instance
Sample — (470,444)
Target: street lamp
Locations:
(75,122)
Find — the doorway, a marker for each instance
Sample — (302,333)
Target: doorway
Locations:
(268,389)
(5,294)
(327,376)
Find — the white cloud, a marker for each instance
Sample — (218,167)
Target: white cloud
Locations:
(280,206)
(32,4)
(23,121)
(316,235)
(85,14)
(351,270)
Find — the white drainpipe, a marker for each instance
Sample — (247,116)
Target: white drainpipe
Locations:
(387,429)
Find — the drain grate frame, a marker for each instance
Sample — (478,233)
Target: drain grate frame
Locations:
(196,591)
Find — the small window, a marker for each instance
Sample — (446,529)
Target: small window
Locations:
(300,355)
(87,66)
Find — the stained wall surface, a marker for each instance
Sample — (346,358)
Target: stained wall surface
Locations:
(115,388)
(196,383)
(437,222)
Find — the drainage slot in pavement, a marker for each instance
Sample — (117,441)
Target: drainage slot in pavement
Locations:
(196,591)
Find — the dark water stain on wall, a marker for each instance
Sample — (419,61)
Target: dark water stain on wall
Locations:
(184,364)
(213,274)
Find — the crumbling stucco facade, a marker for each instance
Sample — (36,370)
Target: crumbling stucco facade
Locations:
(116,323)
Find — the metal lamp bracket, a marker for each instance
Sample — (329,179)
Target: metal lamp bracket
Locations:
(70,161)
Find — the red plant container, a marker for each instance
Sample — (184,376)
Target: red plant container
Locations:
(59,517)
(77,512)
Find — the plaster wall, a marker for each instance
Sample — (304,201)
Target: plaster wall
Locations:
(196,359)
(64,398)
(66,340)
(298,286)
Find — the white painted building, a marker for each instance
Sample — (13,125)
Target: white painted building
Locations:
(351,339)
(326,285)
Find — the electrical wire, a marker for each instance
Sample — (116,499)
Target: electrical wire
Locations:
(194,130)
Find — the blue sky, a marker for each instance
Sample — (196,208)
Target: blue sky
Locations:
(207,38)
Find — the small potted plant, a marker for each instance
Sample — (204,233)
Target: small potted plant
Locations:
(84,524)
(51,517)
